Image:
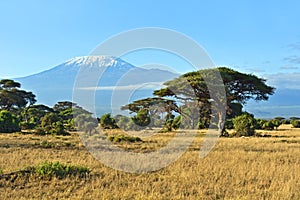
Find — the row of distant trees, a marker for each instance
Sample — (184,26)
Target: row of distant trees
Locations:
(18,111)
(244,124)
(184,102)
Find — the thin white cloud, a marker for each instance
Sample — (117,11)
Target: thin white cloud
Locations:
(288,67)
(284,80)
(144,86)
(292,59)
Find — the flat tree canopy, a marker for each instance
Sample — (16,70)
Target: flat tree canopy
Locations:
(196,87)
(12,97)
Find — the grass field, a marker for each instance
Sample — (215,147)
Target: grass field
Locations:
(237,168)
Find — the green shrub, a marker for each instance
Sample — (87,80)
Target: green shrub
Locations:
(259,123)
(51,123)
(56,169)
(268,125)
(27,125)
(1,171)
(295,123)
(46,144)
(201,125)
(229,124)
(122,122)
(107,122)
(124,138)
(176,122)
(277,122)
(39,131)
(286,121)
(244,125)
(142,118)
(9,123)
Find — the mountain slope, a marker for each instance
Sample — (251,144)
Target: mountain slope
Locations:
(57,83)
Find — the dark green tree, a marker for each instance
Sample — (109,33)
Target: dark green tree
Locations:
(142,118)
(67,111)
(149,111)
(9,123)
(11,97)
(31,116)
(107,122)
(239,88)
(295,123)
(51,123)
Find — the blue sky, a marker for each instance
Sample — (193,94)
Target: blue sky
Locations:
(260,37)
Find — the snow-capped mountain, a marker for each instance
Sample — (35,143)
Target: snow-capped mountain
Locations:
(57,84)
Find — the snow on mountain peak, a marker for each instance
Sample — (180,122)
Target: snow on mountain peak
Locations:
(99,61)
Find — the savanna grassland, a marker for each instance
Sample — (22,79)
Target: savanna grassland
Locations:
(237,168)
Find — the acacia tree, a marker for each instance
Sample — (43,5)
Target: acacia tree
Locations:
(33,114)
(12,97)
(148,110)
(193,87)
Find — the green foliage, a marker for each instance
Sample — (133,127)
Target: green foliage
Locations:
(126,123)
(234,109)
(268,125)
(229,124)
(55,169)
(46,144)
(168,123)
(51,124)
(286,121)
(1,171)
(142,118)
(11,97)
(32,115)
(67,111)
(294,118)
(244,125)
(27,125)
(9,123)
(107,122)
(295,123)
(259,123)
(191,97)
(124,138)
(85,122)
(277,122)
(176,122)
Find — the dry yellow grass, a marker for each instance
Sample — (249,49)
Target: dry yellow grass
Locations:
(237,168)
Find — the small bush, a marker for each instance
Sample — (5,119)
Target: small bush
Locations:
(286,121)
(176,122)
(107,122)
(124,138)
(295,123)
(51,123)
(46,144)
(268,125)
(277,122)
(56,169)
(1,171)
(244,125)
(9,123)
